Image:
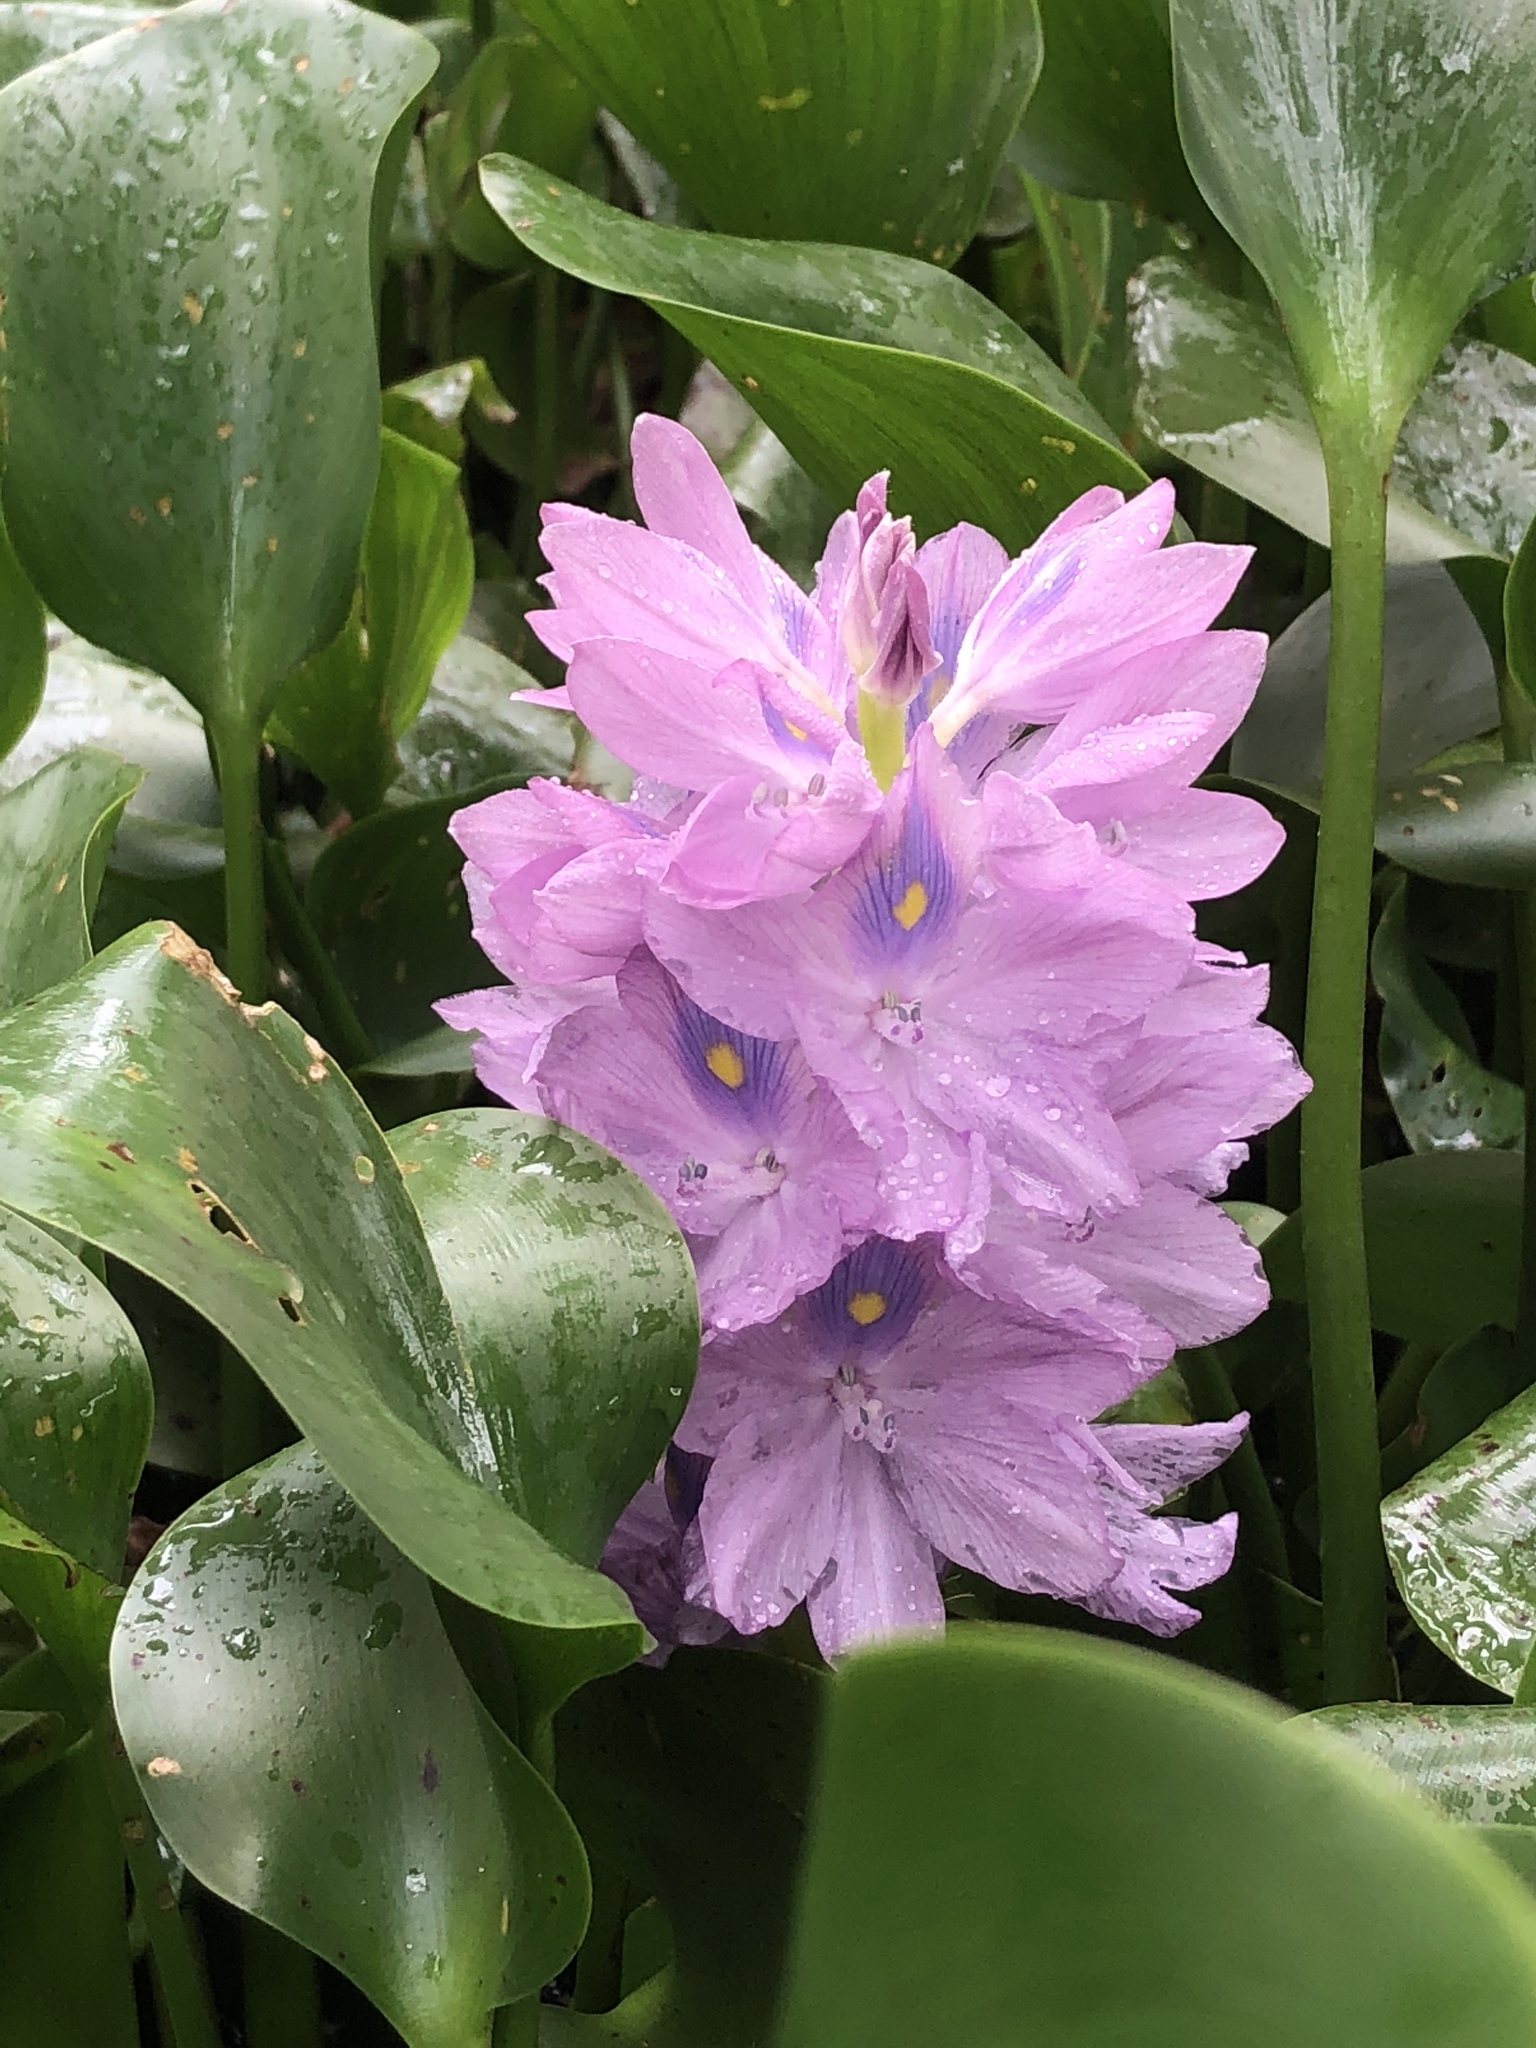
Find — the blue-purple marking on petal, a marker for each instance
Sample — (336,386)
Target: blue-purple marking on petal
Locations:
(732,1074)
(907,896)
(872,1298)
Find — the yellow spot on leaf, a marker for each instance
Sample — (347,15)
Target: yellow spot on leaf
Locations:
(751,383)
(913,905)
(77,1432)
(271,543)
(43,1426)
(225,429)
(163,507)
(162,1767)
(1055,441)
(132,1073)
(867,1308)
(726,1064)
(299,347)
(300,64)
(138,516)
(186,1160)
(785,103)
(192,306)
(38,1324)
(362,1166)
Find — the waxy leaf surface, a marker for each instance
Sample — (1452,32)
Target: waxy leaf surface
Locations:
(1478,1764)
(1051,1788)
(858,362)
(220,1151)
(54,831)
(76,1401)
(1376,165)
(1473,824)
(838,121)
(312,1751)
(192,394)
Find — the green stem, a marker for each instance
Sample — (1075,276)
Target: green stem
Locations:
(548,371)
(344,1034)
(624,503)
(600,1959)
(1338,1296)
(282,1990)
(1262,1532)
(237,754)
(177,1973)
(440,303)
(482,20)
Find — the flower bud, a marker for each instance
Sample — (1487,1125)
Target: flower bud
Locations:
(885,605)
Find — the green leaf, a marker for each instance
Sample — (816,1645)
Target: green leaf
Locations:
(1075,237)
(23,648)
(387,901)
(1520,614)
(90,700)
(1438,687)
(30,1741)
(76,1402)
(311,1750)
(842,121)
(694,1782)
(1442,1239)
(71,1607)
(1478,1764)
(1218,388)
(1460,1539)
(563,1272)
(857,362)
(469,733)
(219,296)
(1444,1098)
(1263,1885)
(1473,824)
(66,1971)
(430,409)
(54,832)
(33,31)
(1101,123)
(517,96)
(1461,1390)
(344,709)
(1347,150)
(261,1192)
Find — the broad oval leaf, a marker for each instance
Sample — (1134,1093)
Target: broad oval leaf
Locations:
(1442,1240)
(54,831)
(1461,1537)
(251,1182)
(1443,1096)
(1473,824)
(837,121)
(1264,1885)
(211,170)
(555,1262)
(858,362)
(1217,387)
(469,733)
(76,1400)
(1374,162)
(1478,1764)
(23,648)
(33,31)
(312,1751)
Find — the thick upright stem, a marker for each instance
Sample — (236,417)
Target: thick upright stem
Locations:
(1338,1299)
(237,755)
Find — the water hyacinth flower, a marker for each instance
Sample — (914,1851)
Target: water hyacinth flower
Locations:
(886,980)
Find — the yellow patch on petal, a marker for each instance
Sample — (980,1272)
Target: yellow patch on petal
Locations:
(913,905)
(726,1064)
(867,1308)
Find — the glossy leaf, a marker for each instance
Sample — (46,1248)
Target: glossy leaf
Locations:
(469,733)
(430,409)
(1263,1885)
(519,1215)
(54,832)
(1438,688)
(64,1602)
(217,544)
(31,1740)
(387,900)
(76,1400)
(304,1251)
(1075,236)
(694,1782)
(1444,1098)
(1459,1539)
(1101,123)
(66,1970)
(1478,1764)
(23,648)
(1474,824)
(845,121)
(1520,614)
(1461,1390)
(91,700)
(1217,387)
(1347,150)
(33,31)
(311,1750)
(856,362)
(344,709)
(1442,1238)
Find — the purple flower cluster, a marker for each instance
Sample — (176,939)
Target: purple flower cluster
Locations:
(886,980)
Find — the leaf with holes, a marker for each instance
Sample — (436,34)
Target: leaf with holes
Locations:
(858,362)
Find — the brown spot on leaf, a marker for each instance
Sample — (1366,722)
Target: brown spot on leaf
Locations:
(186,952)
(120,1151)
